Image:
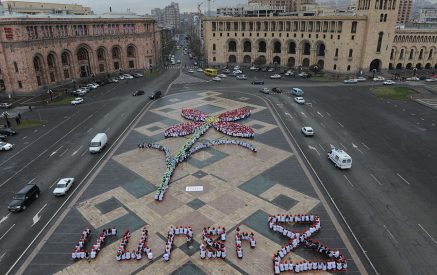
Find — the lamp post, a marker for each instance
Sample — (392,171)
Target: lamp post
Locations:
(374,72)
(50,92)
(414,71)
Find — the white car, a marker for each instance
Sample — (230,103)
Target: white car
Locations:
(350,81)
(179,62)
(389,82)
(299,100)
(63,186)
(379,78)
(241,77)
(265,90)
(4,146)
(253,68)
(128,76)
(93,85)
(200,70)
(237,72)
(431,80)
(271,70)
(275,76)
(222,76)
(361,78)
(77,100)
(5,105)
(236,68)
(414,78)
(289,73)
(216,78)
(191,71)
(115,80)
(121,77)
(307,131)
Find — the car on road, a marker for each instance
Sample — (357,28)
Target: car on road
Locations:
(156,95)
(76,101)
(63,186)
(431,80)
(414,78)
(340,158)
(237,71)
(216,78)
(5,105)
(361,78)
(388,82)
(137,75)
(78,92)
(92,85)
(3,137)
(289,73)
(7,131)
(307,131)
(258,82)
(114,80)
(264,69)
(178,61)
(253,68)
(379,78)
(299,100)
(222,75)
(23,198)
(128,76)
(271,70)
(296,91)
(200,70)
(350,81)
(226,71)
(241,77)
(265,90)
(304,75)
(191,71)
(121,77)
(4,146)
(138,92)
(276,90)
(276,76)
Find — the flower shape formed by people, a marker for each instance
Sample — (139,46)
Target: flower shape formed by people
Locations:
(223,123)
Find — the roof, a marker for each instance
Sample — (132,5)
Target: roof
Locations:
(341,153)
(20,16)
(26,188)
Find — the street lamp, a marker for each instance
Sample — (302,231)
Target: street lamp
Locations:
(50,92)
(374,72)
(414,71)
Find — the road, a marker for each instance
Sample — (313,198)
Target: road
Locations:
(60,149)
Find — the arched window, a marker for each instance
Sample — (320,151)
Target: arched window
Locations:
(116,53)
(101,54)
(306,48)
(82,54)
(411,54)
(321,50)
(37,64)
(65,58)
(421,54)
(378,46)
(336,52)
(214,59)
(292,48)
(277,47)
(232,46)
(51,63)
(401,54)
(262,46)
(430,54)
(348,67)
(131,51)
(247,46)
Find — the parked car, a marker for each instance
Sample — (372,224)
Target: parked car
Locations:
(156,95)
(128,76)
(76,101)
(63,186)
(226,71)
(137,75)
(121,77)
(222,75)
(350,81)
(92,86)
(265,90)
(379,78)
(258,82)
(361,79)
(115,80)
(7,131)
(431,80)
(303,75)
(276,90)
(5,105)
(200,70)
(307,131)
(237,72)
(389,82)
(191,71)
(78,92)
(138,92)
(263,69)
(3,137)
(276,76)
(271,70)
(289,73)
(23,198)
(241,77)
(4,146)
(414,78)
(216,78)
(253,68)
(299,100)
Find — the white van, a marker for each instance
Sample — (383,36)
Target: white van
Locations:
(297,91)
(98,143)
(340,158)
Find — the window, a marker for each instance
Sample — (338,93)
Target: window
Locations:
(214,59)
(131,64)
(350,52)
(354,27)
(335,67)
(353,37)
(66,74)
(348,67)
(378,46)
(336,52)
(411,54)
(213,47)
(2,85)
(101,68)
(116,66)
(52,77)
(20,85)
(16,67)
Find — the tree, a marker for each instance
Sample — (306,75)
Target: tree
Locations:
(195,44)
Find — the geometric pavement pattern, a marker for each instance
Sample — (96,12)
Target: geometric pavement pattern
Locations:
(234,194)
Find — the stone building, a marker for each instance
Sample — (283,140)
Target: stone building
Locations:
(40,51)
(404,12)
(49,8)
(290,5)
(346,43)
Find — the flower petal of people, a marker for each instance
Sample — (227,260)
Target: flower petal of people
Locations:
(234,115)
(234,129)
(182,129)
(193,114)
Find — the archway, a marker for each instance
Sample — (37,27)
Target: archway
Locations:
(232,59)
(419,66)
(39,70)
(291,62)
(277,60)
(131,53)
(53,67)
(101,59)
(292,48)
(390,66)
(232,46)
(399,66)
(428,66)
(320,64)
(247,59)
(66,64)
(116,57)
(375,65)
(277,47)
(260,60)
(321,49)
(84,62)
(409,66)
(306,49)
(306,62)
(262,47)
(247,46)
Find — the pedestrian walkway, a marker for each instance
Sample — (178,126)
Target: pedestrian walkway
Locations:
(430,102)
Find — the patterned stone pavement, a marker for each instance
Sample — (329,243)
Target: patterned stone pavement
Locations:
(240,188)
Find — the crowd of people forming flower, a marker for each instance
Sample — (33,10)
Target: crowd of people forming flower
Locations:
(79,251)
(243,236)
(337,261)
(211,248)
(124,254)
(187,231)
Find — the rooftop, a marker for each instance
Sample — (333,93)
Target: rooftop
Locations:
(20,16)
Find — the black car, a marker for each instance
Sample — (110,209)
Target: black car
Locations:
(258,82)
(156,95)
(3,137)
(276,90)
(264,69)
(7,132)
(139,92)
(24,198)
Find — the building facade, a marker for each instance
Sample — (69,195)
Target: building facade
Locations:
(428,15)
(48,8)
(404,12)
(360,41)
(290,5)
(168,17)
(250,10)
(37,52)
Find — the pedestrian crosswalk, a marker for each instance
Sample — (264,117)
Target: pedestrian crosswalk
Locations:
(180,66)
(430,102)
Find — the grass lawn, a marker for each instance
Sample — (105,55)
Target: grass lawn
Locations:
(28,123)
(400,93)
(66,100)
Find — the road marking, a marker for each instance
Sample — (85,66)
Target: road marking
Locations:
(31,181)
(340,124)
(314,148)
(75,152)
(343,146)
(54,183)
(35,131)
(89,130)
(54,152)
(323,125)
(348,181)
(107,130)
(63,153)
(328,114)
(4,218)
(390,234)
(422,118)
(320,114)
(37,217)
(84,152)
(426,232)
(1,238)
(377,181)
(323,149)
(25,137)
(1,257)
(332,146)
(367,147)
(356,147)
(303,114)
(312,114)
(403,179)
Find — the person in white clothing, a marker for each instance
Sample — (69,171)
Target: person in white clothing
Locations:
(150,255)
(166,257)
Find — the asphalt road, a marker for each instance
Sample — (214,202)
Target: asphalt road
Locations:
(388,197)
(60,149)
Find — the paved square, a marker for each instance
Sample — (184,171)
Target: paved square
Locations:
(240,189)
